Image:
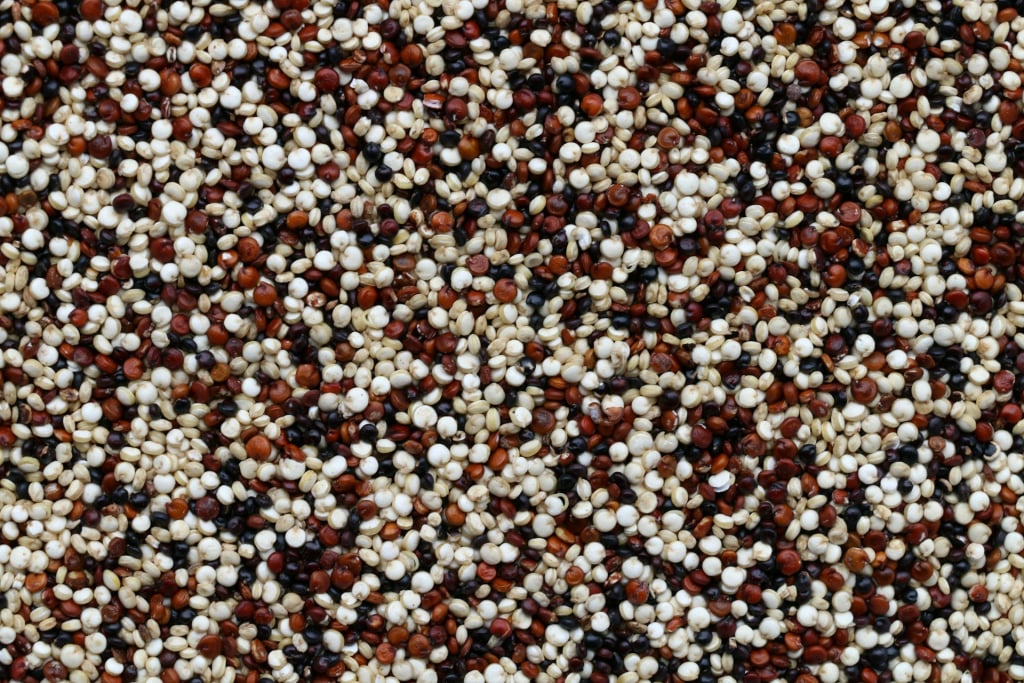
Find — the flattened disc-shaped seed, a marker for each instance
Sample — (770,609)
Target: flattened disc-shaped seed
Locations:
(209,646)
(505,290)
(258,447)
(543,421)
(788,562)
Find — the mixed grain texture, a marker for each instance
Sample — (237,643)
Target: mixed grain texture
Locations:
(503,340)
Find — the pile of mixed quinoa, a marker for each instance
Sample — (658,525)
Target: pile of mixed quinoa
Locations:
(502,340)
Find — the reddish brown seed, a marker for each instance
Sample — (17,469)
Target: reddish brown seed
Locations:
(1002,381)
(807,72)
(469,147)
(326,80)
(1011,413)
(835,275)
(397,635)
(418,646)
(856,559)
(200,74)
(478,264)
(849,213)
(162,250)
(878,604)
(220,372)
(629,98)
(101,146)
(385,653)
(456,109)
(209,646)
(874,361)
(782,515)
(133,368)
(291,19)
(248,277)
(454,515)
(277,78)
(45,13)
(832,579)
(505,290)
(248,249)
(486,572)
(669,138)
(275,562)
(170,82)
(1003,254)
(863,390)
(701,436)
(181,128)
(366,509)
(892,131)
(177,508)
(618,195)
(35,582)
(815,655)
(543,421)
(855,125)
(306,375)
(574,576)
(442,221)
(258,447)
(637,592)
(411,55)
(661,236)
(55,671)
(501,628)
(1009,112)
(592,104)
(265,294)
(207,508)
(76,145)
(830,146)
(914,40)
(788,562)
(785,33)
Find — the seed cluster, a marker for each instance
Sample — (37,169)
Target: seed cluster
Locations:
(502,340)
